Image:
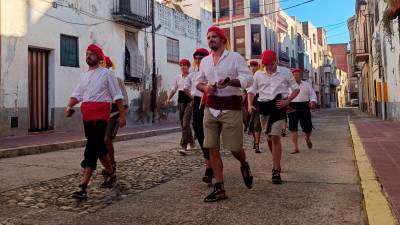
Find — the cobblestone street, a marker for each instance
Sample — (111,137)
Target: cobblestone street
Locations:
(158,186)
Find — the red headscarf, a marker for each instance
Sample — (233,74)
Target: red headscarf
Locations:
(201,51)
(96,50)
(219,32)
(184,62)
(296,70)
(108,61)
(268,57)
(253,63)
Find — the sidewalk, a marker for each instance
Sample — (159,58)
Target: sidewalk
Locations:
(381,141)
(59,140)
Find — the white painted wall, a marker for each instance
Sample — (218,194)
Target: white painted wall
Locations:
(36,23)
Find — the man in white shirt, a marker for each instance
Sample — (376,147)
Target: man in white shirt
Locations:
(184,105)
(272,86)
(97,89)
(198,110)
(299,110)
(254,121)
(222,75)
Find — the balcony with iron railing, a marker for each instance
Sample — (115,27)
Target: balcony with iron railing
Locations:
(360,50)
(132,12)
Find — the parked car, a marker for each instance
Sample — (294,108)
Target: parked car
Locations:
(354,102)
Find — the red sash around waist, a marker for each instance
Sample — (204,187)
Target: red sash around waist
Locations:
(95,111)
(233,102)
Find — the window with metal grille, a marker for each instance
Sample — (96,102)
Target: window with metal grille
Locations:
(69,55)
(172,50)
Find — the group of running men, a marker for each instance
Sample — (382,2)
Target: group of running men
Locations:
(217,89)
(210,96)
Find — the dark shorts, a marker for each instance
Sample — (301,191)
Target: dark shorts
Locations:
(95,145)
(304,117)
(112,128)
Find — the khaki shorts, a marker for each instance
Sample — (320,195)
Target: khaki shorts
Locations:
(271,129)
(228,125)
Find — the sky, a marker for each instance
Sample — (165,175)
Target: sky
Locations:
(325,13)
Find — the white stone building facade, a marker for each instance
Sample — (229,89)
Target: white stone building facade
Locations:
(43,53)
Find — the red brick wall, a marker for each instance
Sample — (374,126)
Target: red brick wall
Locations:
(339,52)
(319,30)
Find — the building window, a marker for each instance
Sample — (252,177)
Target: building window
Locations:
(255,40)
(69,51)
(315,57)
(255,6)
(224,8)
(238,7)
(240,41)
(172,50)
(313,39)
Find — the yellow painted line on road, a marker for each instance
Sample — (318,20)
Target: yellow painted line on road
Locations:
(376,206)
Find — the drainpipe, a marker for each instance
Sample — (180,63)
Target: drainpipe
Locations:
(153,75)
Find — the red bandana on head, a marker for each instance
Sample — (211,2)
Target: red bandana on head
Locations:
(296,70)
(96,50)
(253,63)
(219,32)
(108,61)
(268,57)
(201,51)
(184,62)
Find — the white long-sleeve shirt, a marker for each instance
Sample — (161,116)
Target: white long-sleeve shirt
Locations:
(232,65)
(269,86)
(98,85)
(306,94)
(179,84)
(190,84)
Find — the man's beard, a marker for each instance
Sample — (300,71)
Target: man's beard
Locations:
(213,46)
(91,63)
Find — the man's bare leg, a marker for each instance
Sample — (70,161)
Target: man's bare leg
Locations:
(240,156)
(294,136)
(269,143)
(87,174)
(216,165)
(276,151)
(110,149)
(308,140)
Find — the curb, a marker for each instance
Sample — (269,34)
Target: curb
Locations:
(376,206)
(37,149)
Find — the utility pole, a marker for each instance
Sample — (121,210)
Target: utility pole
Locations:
(154,74)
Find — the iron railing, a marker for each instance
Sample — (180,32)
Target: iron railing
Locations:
(132,12)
